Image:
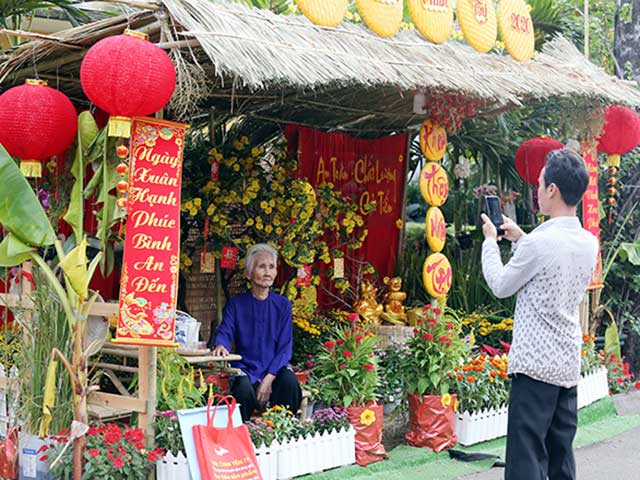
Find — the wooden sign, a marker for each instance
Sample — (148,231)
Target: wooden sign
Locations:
(434,184)
(436,229)
(437,275)
(328,13)
(383,17)
(149,279)
(432,18)
(516,28)
(433,140)
(477,19)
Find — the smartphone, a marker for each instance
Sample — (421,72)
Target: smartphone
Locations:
(492,206)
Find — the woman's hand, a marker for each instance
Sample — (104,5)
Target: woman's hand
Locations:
(264,390)
(220,351)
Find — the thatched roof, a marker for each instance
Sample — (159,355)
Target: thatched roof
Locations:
(284,68)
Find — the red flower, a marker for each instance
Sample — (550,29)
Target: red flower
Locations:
(444,339)
(118,462)
(637,385)
(369,366)
(152,456)
(342,366)
(92,431)
(44,458)
(329,345)
(347,354)
(427,336)
(94,452)
(43,448)
(437,311)
(112,436)
(359,338)
(432,322)
(619,380)
(449,326)
(340,342)
(415,331)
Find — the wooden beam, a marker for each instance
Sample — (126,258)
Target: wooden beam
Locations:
(117,401)
(134,4)
(41,37)
(115,366)
(191,43)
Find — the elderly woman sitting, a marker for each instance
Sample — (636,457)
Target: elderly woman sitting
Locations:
(259,322)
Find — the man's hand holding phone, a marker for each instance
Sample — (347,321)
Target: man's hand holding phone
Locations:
(510,228)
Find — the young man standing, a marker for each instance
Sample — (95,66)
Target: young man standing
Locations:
(549,271)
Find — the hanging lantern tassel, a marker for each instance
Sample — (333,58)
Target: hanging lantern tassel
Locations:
(613,162)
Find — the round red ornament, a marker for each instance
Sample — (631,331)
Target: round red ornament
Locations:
(532,155)
(621,133)
(127,76)
(37,122)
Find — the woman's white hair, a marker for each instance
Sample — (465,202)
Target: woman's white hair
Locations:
(258,248)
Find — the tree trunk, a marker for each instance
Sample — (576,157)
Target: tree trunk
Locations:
(627,38)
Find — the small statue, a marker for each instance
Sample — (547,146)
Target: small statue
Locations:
(367,305)
(393,309)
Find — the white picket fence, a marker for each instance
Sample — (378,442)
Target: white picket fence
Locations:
(8,399)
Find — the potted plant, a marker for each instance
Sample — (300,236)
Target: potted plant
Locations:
(434,351)
(482,388)
(348,372)
(113,453)
(593,384)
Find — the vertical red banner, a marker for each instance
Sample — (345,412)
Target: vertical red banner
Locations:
(590,212)
(149,280)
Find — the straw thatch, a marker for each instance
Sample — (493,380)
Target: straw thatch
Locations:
(285,69)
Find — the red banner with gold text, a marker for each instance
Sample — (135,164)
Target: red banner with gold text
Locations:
(365,170)
(590,212)
(149,278)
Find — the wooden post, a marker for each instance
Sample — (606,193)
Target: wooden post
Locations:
(147,366)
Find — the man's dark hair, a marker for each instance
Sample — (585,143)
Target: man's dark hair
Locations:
(568,171)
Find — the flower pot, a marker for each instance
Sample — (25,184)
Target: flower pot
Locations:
(367,422)
(431,422)
(476,427)
(172,467)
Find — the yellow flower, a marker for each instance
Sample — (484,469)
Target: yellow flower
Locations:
(268,229)
(455,405)
(399,224)
(197,202)
(236,167)
(244,140)
(250,222)
(367,417)
(446,400)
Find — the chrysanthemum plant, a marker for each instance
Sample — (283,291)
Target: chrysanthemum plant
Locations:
(435,349)
(348,368)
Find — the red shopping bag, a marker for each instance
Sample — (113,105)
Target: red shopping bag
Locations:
(9,455)
(225,453)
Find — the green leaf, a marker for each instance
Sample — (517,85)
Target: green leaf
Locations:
(13,251)
(612,340)
(422,385)
(347,400)
(630,252)
(20,210)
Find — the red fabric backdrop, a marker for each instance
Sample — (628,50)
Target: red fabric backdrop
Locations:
(365,170)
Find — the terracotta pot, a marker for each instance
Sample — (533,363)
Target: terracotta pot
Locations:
(431,424)
(368,421)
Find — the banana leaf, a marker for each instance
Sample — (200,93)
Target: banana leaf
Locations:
(20,210)
(87,131)
(612,341)
(13,251)
(630,252)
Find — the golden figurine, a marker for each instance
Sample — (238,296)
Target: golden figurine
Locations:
(393,309)
(367,305)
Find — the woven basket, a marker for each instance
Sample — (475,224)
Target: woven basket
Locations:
(391,334)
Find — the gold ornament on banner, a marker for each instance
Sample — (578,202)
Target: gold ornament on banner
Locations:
(383,17)
(434,184)
(516,28)
(432,18)
(435,229)
(327,13)
(436,275)
(433,140)
(477,19)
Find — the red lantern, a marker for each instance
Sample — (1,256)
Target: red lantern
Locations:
(36,123)
(127,76)
(532,155)
(620,134)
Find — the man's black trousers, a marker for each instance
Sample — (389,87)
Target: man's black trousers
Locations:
(542,423)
